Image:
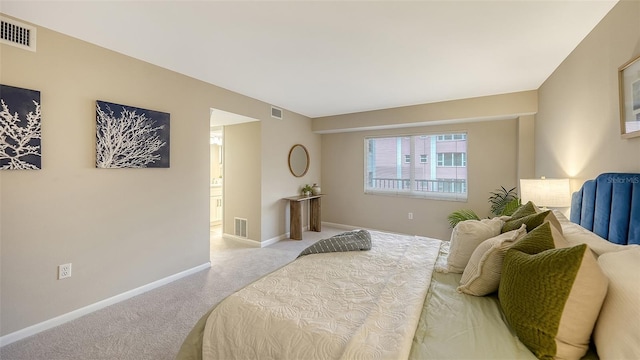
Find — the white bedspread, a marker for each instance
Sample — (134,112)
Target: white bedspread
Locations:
(356,305)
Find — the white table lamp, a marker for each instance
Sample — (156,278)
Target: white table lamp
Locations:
(545,193)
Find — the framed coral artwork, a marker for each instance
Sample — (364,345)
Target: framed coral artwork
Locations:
(20,129)
(629,82)
(131,137)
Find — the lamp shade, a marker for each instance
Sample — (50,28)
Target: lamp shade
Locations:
(546,192)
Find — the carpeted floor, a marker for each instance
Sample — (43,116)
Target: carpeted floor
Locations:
(153,325)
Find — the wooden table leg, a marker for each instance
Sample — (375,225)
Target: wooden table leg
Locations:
(296,220)
(315,221)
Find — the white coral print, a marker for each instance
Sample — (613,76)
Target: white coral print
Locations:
(131,140)
(19,139)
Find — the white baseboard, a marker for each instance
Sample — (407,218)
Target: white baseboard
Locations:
(59,320)
(274,240)
(254,243)
(341,226)
(351,227)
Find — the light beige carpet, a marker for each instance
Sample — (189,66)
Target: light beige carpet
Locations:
(153,325)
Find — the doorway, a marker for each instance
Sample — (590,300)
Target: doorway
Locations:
(223,185)
(216,180)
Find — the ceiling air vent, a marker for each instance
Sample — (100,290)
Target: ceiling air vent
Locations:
(17,34)
(276,113)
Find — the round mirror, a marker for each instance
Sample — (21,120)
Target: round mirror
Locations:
(298,160)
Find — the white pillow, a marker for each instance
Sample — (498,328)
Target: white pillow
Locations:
(482,274)
(617,331)
(559,241)
(466,236)
(576,235)
(562,219)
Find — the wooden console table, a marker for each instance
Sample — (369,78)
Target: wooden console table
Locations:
(295,202)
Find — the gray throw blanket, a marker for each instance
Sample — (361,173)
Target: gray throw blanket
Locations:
(348,241)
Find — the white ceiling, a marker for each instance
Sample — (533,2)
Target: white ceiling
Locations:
(322,58)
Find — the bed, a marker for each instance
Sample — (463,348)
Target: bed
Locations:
(534,285)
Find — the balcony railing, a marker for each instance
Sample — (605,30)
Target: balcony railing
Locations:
(439,186)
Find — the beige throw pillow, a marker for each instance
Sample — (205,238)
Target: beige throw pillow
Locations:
(482,274)
(466,236)
(617,332)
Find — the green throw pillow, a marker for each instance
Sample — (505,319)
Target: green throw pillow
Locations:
(524,210)
(551,297)
(532,221)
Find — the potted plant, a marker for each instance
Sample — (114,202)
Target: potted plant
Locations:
(306,190)
(503,202)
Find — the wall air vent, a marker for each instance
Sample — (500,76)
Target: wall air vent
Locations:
(17,34)
(276,113)
(240,227)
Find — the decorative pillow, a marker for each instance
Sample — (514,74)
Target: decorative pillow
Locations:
(554,221)
(617,332)
(532,221)
(524,210)
(576,234)
(558,239)
(482,274)
(551,297)
(466,236)
(553,218)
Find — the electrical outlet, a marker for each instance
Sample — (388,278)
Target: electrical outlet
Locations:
(410,216)
(64,271)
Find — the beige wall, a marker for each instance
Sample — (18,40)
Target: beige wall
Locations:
(121,228)
(493,148)
(526,147)
(504,106)
(242,177)
(278,182)
(577,126)
(257,175)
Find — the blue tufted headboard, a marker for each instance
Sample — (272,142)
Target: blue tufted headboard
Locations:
(609,206)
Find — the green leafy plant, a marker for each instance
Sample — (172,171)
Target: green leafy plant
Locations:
(503,202)
(511,207)
(461,215)
(306,189)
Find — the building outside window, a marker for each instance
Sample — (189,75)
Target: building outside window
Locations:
(452,159)
(400,166)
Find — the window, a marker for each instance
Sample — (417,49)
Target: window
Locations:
(452,159)
(449,137)
(400,166)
